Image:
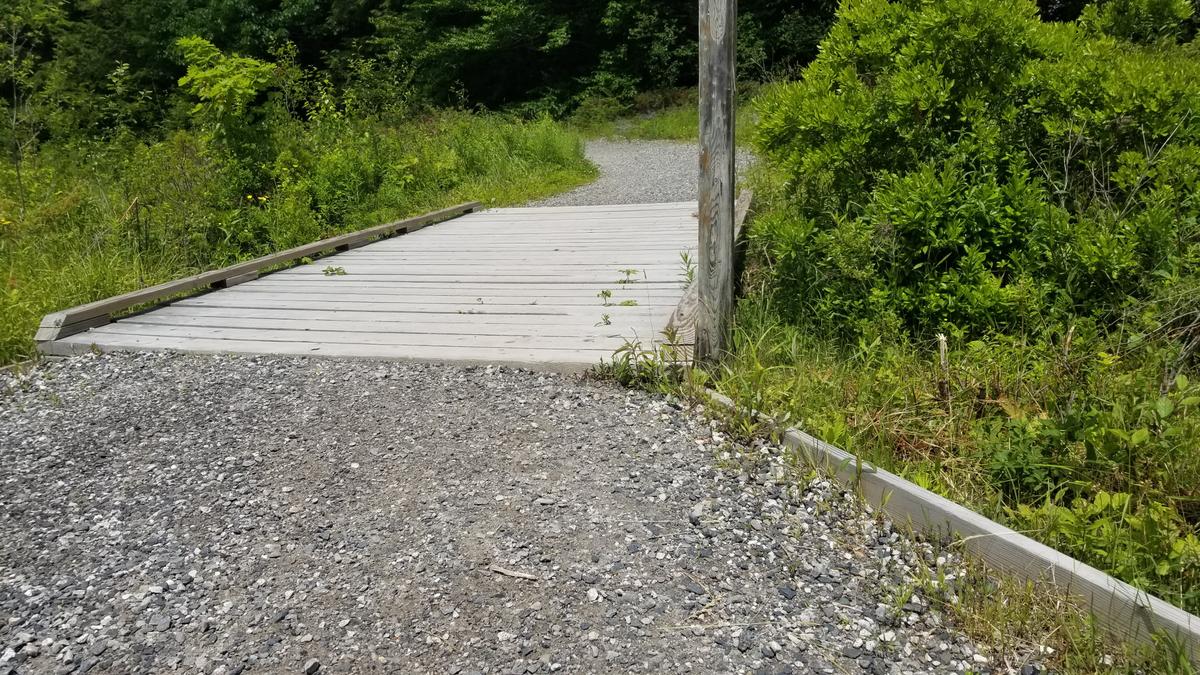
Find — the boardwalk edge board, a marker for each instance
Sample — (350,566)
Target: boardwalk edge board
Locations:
(67,322)
(1121,610)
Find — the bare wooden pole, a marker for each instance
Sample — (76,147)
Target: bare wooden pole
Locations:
(714,278)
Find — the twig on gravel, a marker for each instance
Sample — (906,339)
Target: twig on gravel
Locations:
(714,599)
(513,573)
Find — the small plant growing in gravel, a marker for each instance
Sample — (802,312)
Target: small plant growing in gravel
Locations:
(605,320)
(331,271)
(605,297)
(662,366)
(628,303)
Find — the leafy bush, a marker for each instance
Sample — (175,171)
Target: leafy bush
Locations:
(1030,191)
(985,165)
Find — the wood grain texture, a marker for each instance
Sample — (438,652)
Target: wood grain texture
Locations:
(429,326)
(69,321)
(1121,610)
(549,297)
(714,276)
(558,360)
(550,322)
(682,324)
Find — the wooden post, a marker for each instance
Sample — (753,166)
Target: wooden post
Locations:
(714,278)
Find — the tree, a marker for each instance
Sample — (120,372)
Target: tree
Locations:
(224,84)
(27,28)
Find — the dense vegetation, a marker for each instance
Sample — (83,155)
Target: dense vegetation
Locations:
(86,65)
(979,263)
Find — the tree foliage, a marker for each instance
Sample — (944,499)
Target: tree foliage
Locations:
(225,85)
(537,55)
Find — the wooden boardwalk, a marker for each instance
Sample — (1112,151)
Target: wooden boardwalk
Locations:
(556,288)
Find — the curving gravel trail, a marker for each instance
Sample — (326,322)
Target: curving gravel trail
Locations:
(221,515)
(638,172)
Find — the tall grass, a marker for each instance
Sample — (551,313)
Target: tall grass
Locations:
(106,218)
(671,115)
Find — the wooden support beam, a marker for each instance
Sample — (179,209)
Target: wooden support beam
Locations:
(682,324)
(714,275)
(78,319)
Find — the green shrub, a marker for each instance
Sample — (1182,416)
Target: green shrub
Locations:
(988,166)
(1029,193)
(1146,21)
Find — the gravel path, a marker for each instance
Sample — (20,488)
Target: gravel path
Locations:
(214,514)
(218,515)
(638,172)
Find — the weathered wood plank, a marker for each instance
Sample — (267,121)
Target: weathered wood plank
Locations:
(570,361)
(593,229)
(619,260)
(347,284)
(376,273)
(229,300)
(439,326)
(613,261)
(574,321)
(547,266)
(582,211)
(269,296)
(384,275)
(662,221)
(714,276)
(512,290)
(325,336)
(544,248)
(51,332)
(234,281)
(518,294)
(58,324)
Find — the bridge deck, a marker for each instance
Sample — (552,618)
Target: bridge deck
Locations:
(516,286)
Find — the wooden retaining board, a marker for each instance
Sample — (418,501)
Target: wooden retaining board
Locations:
(1122,611)
(515,286)
(1129,614)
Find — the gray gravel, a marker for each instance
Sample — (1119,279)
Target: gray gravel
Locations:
(219,514)
(638,172)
